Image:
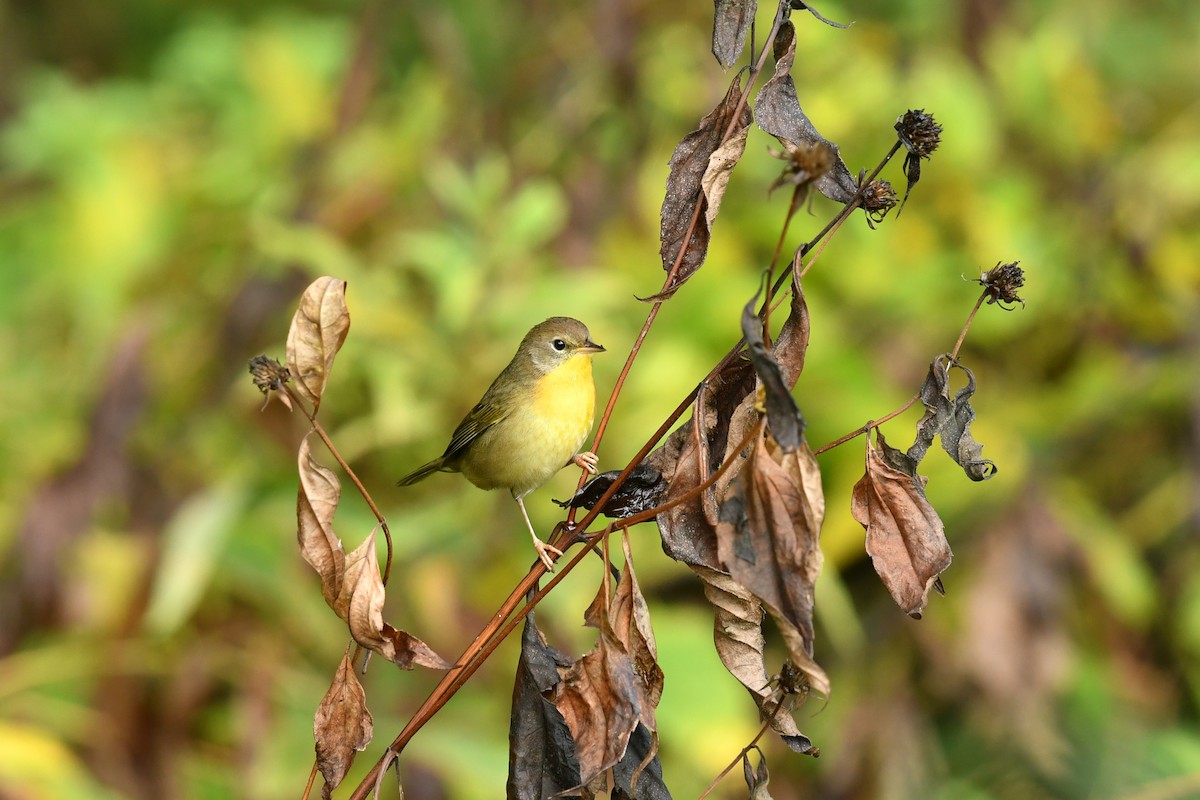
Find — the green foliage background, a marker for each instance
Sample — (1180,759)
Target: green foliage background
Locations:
(172,174)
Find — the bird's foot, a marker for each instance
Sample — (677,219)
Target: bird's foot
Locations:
(586,460)
(544,553)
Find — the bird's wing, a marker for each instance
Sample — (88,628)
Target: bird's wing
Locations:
(483,416)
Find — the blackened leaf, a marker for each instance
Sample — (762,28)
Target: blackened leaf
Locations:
(777,111)
(905,537)
(756,778)
(640,765)
(787,426)
(318,330)
(643,489)
(316,503)
(685,193)
(797,5)
(342,725)
(731,22)
(541,753)
(770,543)
(950,418)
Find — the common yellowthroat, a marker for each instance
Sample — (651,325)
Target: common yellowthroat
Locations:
(531,421)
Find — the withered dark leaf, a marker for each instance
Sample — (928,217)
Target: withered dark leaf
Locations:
(643,489)
(772,547)
(640,766)
(318,330)
(342,725)
(724,413)
(777,111)
(950,418)
(905,537)
(787,425)
(756,778)
(731,22)
(316,502)
(541,753)
(699,158)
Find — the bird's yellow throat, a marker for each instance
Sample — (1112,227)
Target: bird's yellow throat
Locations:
(567,390)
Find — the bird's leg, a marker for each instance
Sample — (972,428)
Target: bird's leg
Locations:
(586,460)
(543,550)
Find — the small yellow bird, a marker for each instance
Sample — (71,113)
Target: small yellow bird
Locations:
(531,421)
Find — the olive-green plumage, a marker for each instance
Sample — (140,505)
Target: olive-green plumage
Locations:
(531,421)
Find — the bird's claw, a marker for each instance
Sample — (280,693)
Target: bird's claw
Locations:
(544,550)
(587,461)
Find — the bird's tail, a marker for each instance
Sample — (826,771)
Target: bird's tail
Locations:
(422,472)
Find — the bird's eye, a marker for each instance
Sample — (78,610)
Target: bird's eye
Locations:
(559,344)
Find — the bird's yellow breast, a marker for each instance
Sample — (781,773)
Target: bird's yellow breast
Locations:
(540,436)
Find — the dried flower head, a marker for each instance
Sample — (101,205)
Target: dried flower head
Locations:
(878,198)
(803,163)
(919,132)
(269,375)
(1001,282)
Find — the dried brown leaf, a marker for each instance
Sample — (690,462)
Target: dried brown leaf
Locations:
(756,778)
(768,541)
(739,641)
(608,692)
(342,725)
(720,168)
(731,22)
(787,426)
(777,111)
(316,503)
(905,537)
(318,330)
(600,699)
(360,603)
(691,161)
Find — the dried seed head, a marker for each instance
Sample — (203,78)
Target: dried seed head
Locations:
(1001,282)
(878,198)
(804,163)
(919,132)
(268,374)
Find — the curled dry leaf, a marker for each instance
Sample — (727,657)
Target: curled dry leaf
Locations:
(787,426)
(905,537)
(700,169)
(731,22)
(318,330)
(605,694)
(342,725)
(768,542)
(740,644)
(360,603)
(777,111)
(316,502)
(950,418)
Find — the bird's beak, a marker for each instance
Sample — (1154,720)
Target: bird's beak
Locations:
(591,347)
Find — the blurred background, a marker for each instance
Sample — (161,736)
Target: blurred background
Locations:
(172,174)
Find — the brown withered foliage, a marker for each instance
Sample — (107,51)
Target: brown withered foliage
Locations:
(905,537)
(700,170)
(318,330)
(342,725)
